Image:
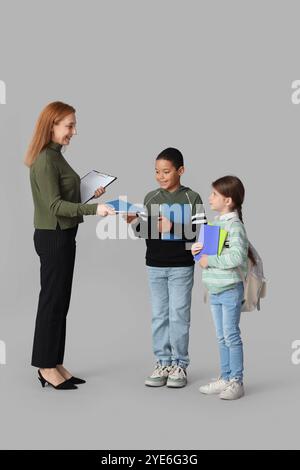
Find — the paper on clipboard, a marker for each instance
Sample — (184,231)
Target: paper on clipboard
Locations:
(92,181)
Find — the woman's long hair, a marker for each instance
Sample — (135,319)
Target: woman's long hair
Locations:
(52,114)
(231,186)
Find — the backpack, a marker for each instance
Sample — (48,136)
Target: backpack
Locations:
(255,284)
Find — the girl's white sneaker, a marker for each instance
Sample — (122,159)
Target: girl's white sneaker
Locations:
(217,386)
(233,391)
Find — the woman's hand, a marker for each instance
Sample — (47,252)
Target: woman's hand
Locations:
(203,261)
(196,248)
(129,219)
(104,210)
(164,225)
(99,192)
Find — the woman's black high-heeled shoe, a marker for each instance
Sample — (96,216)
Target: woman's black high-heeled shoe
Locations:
(66,385)
(76,380)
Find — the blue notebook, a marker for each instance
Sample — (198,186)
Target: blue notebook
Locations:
(125,207)
(209,238)
(176,213)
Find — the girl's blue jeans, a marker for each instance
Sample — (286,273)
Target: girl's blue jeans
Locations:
(226,311)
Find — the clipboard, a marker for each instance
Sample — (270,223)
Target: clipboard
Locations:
(91,181)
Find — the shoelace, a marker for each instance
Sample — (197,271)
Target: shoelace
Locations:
(231,385)
(159,369)
(215,379)
(177,370)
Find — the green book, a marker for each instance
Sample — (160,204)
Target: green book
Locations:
(222,239)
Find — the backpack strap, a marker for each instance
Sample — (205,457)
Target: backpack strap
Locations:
(239,269)
(227,228)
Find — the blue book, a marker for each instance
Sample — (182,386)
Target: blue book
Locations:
(209,238)
(177,214)
(124,207)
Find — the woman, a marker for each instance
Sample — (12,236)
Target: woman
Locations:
(57,212)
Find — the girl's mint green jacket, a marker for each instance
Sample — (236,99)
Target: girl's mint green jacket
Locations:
(56,191)
(222,273)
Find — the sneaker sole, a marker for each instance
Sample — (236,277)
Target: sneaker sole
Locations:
(154,384)
(171,385)
(210,393)
(231,399)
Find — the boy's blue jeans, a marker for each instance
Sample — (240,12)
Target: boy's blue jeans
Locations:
(171,295)
(226,311)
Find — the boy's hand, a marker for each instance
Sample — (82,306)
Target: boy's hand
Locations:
(164,225)
(196,248)
(203,261)
(130,218)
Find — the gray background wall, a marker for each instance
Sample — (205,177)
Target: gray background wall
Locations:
(213,79)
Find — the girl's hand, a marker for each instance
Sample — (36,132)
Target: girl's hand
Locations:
(196,248)
(203,261)
(99,192)
(104,210)
(129,219)
(164,225)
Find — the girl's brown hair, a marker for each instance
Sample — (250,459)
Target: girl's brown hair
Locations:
(231,186)
(52,114)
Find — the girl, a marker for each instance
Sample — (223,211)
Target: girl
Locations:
(226,291)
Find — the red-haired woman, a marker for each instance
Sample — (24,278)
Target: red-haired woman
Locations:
(57,212)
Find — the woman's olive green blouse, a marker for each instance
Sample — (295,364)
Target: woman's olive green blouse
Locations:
(56,191)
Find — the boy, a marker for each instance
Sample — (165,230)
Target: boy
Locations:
(173,212)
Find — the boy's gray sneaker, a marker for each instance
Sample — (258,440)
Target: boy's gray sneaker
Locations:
(159,376)
(177,377)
